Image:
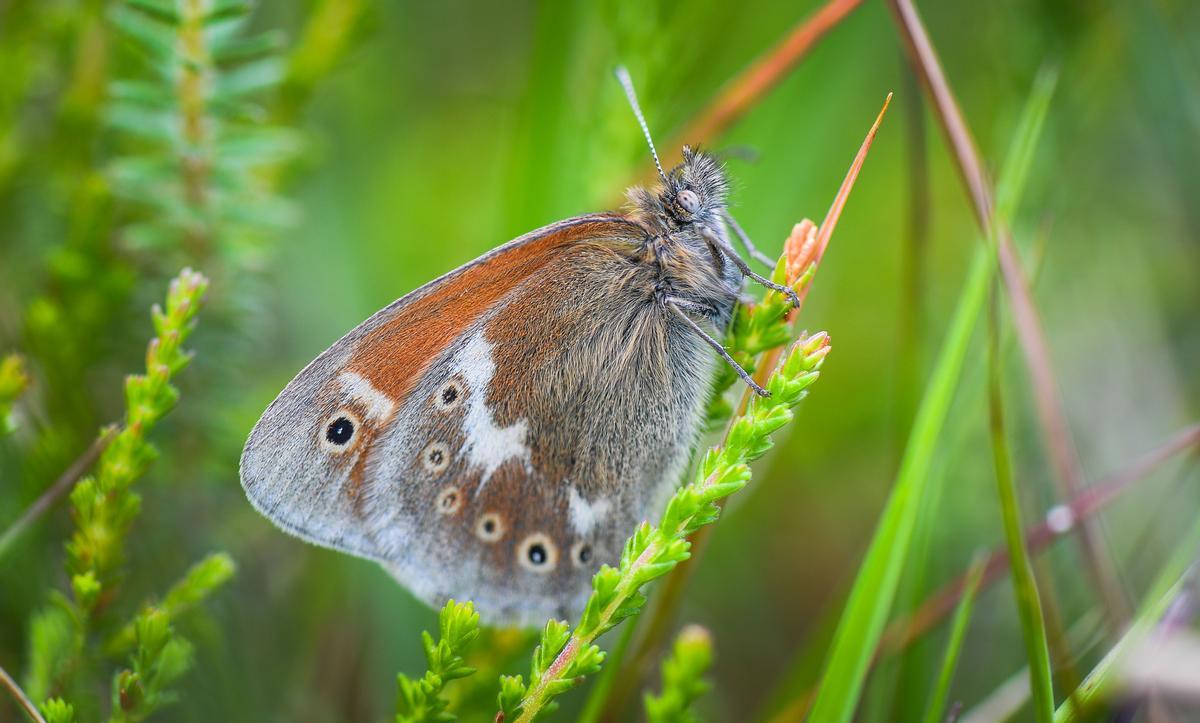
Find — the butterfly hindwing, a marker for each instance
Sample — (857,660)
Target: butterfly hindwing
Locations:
(496,434)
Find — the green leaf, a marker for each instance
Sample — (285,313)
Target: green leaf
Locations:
(935,712)
(1029,606)
(874,589)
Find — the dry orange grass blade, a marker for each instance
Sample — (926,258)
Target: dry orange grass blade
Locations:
(1060,446)
(744,91)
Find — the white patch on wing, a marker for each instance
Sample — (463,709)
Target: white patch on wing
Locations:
(488,445)
(378,404)
(584,514)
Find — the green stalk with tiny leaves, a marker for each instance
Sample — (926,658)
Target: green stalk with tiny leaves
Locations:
(104,506)
(420,700)
(565,656)
(683,678)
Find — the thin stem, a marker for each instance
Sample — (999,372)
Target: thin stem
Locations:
(1067,467)
(1029,605)
(913,259)
(19,696)
(55,491)
(1059,521)
(537,697)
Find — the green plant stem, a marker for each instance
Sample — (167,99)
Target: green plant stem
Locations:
(536,699)
(600,692)
(1029,607)
(19,696)
(682,677)
(903,631)
(654,551)
(874,589)
(936,711)
(856,641)
(1057,434)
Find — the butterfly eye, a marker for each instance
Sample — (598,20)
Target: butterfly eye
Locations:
(449,501)
(435,458)
(340,432)
(688,200)
(490,527)
(537,553)
(581,554)
(448,396)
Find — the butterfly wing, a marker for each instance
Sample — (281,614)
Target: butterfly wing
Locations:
(497,433)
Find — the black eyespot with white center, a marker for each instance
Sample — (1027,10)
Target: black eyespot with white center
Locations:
(537,553)
(340,432)
(435,458)
(449,395)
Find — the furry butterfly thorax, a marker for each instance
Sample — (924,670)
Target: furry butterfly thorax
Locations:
(496,434)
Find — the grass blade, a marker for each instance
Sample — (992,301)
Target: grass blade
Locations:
(936,711)
(1029,605)
(874,590)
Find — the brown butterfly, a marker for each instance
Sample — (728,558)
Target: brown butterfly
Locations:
(496,434)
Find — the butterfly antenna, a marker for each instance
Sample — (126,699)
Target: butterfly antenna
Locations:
(626,82)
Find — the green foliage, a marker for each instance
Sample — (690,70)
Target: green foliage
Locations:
(682,678)
(421,701)
(137,137)
(199,144)
(1172,580)
(104,504)
(870,601)
(755,329)
(935,711)
(160,659)
(105,507)
(1029,604)
(200,582)
(13,381)
(563,657)
(56,710)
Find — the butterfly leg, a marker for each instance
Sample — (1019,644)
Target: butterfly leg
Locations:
(727,251)
(750,247)
(677,306)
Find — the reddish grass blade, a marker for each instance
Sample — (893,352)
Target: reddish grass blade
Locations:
(746,90)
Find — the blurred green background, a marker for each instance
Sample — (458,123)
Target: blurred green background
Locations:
(431,132)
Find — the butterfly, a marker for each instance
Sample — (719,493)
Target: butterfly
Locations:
(496,434)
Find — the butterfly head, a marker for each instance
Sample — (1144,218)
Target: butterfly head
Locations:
(691,194)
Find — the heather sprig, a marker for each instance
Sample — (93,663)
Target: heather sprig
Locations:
(682,678)
(199,142)
(564,657)
(420,700)
(104,506)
